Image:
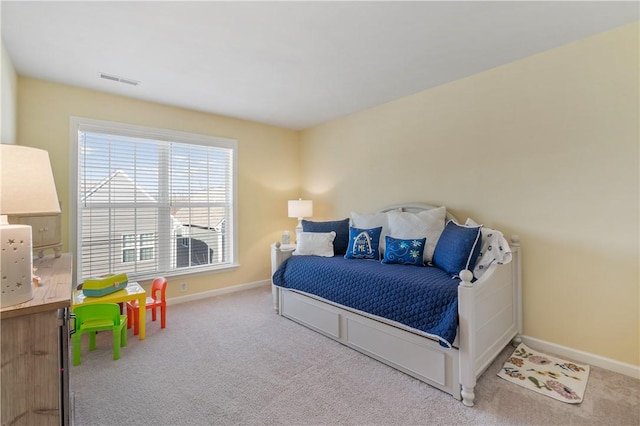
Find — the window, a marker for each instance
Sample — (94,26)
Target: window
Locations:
(128,248)
(138,247)
(151,202)
(146,246)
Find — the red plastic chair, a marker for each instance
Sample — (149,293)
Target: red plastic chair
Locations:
(159,285)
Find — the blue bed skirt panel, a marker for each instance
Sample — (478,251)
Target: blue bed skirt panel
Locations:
(423,298)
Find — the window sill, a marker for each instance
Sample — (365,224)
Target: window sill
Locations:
(187,273)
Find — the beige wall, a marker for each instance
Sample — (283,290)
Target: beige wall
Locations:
(8,97)
(546,148)
(268,160)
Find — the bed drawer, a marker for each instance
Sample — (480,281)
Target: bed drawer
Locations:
(319,317)
(412,357)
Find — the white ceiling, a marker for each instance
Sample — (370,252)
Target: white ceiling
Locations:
(290,64)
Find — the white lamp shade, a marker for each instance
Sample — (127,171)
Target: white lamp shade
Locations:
(26,181)
(300,208)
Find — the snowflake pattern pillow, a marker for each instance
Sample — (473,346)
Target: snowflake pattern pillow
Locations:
(404,252)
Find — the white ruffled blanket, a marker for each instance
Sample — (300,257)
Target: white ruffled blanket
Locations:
(495,249)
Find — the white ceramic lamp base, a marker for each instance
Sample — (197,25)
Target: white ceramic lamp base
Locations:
(17,264)
(298,229)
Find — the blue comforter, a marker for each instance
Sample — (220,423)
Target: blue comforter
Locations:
(423,298)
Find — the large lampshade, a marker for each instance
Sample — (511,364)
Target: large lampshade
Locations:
(27,185)
(300,208)
(26,188)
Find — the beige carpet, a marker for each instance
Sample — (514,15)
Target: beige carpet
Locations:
(231,360)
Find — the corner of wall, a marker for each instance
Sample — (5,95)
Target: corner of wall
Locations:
(8,93)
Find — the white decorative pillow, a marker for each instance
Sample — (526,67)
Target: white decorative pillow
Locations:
(370,221)
(315,244)
(494,248)
(428,223)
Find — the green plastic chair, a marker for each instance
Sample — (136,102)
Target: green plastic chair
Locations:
(99,317)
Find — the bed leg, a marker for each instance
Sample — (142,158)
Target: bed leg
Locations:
(468,395)
(276,260)
(467,338)
(516,269)
(276,298)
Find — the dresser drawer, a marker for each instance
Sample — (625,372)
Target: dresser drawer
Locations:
(45,230)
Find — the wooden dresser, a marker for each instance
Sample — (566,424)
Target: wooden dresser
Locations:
(35,349)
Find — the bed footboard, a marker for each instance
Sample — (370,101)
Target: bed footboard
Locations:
(490,316)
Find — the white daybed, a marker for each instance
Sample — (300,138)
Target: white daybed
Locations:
(489,314)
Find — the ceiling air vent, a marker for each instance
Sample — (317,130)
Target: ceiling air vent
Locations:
(119,79)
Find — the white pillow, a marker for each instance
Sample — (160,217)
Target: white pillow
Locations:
(494,248)
(315,244)
(370,221)
(428,223)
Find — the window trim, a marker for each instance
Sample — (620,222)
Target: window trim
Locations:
(77,124)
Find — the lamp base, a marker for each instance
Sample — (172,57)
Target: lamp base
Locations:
(16,264)
(298,229)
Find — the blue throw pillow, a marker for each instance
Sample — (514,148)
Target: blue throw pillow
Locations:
(340,227)
(404,252)
(364,243)
(458,248)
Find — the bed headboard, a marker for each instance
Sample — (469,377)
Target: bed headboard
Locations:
(414,208)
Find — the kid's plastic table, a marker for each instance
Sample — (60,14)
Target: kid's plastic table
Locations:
(133,291)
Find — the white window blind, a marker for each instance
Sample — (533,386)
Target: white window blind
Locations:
(152,202)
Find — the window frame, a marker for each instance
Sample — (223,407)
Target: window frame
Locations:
(78,124)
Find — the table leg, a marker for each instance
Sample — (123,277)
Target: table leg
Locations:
(142,309)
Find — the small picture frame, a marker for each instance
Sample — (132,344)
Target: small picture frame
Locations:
(286,237)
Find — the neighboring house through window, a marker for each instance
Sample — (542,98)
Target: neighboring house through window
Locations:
(138,247)
(151,202)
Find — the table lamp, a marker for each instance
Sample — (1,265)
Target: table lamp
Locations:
(300,208)
(26,188)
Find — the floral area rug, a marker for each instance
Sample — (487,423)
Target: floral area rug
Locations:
(554,377)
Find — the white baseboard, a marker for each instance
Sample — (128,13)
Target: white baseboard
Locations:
(585,357)
(217,292)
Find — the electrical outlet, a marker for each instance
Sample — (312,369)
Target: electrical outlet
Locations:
(183,287)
